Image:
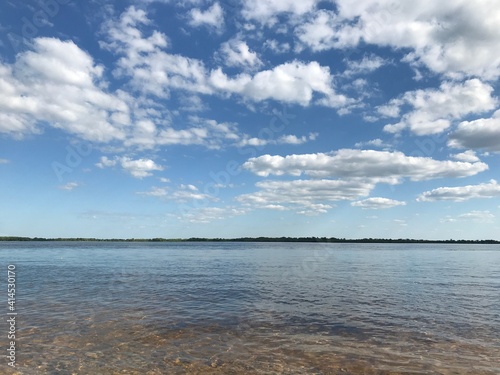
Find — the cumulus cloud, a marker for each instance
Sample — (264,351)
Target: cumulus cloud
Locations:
(153,71)
(441,36)
(468,156)
(461,193)
(377,203)
(305,196)
(276,46)
(192,103)
(237,53)
(266,11)
(293,82)
(319,33)
(213,17)
(187,193)
(382,165)
(366,65)
(138,168)
(205,132)
(288,139)
(58,83)
(434,110)
(294,140)
(150,69)
(377,142)
(483,133)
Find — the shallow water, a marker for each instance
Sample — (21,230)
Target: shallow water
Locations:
(254,308)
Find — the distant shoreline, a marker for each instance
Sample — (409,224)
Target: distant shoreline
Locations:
(252,239)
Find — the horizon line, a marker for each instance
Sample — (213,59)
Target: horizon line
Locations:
(309,239)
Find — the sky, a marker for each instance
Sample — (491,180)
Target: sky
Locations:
(202,118)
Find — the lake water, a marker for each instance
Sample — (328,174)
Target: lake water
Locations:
(253,308)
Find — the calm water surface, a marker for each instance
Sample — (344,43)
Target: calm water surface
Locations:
(254,308)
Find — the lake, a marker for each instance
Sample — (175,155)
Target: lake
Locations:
(253,308)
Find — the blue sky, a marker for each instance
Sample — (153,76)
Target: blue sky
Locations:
(258,118)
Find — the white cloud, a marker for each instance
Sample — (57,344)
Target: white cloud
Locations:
(305,196)
(367,65)
(4,161)
(481,216)
(184,193)
(189,187)
(237,53)
(188,193)
(106,162)
(152,70)
(441,36)
(482,133)
(315,209)
(138,168)
(69,186)
(376,203)
(155,72)
(155,192)
(213,17)
(461,193)
(266,11)
(391,109)
(209,214)
(374,142)
(197,131)
(468,156)
(276,207)
(448,219)
(293,82)
(380,165)
(192,103)
(288,139)
(253,141)
(276,46)
(294,140)
(477,216)
(319,33)
(433,110)
(58,83)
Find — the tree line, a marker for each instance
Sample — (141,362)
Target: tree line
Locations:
(255,239)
